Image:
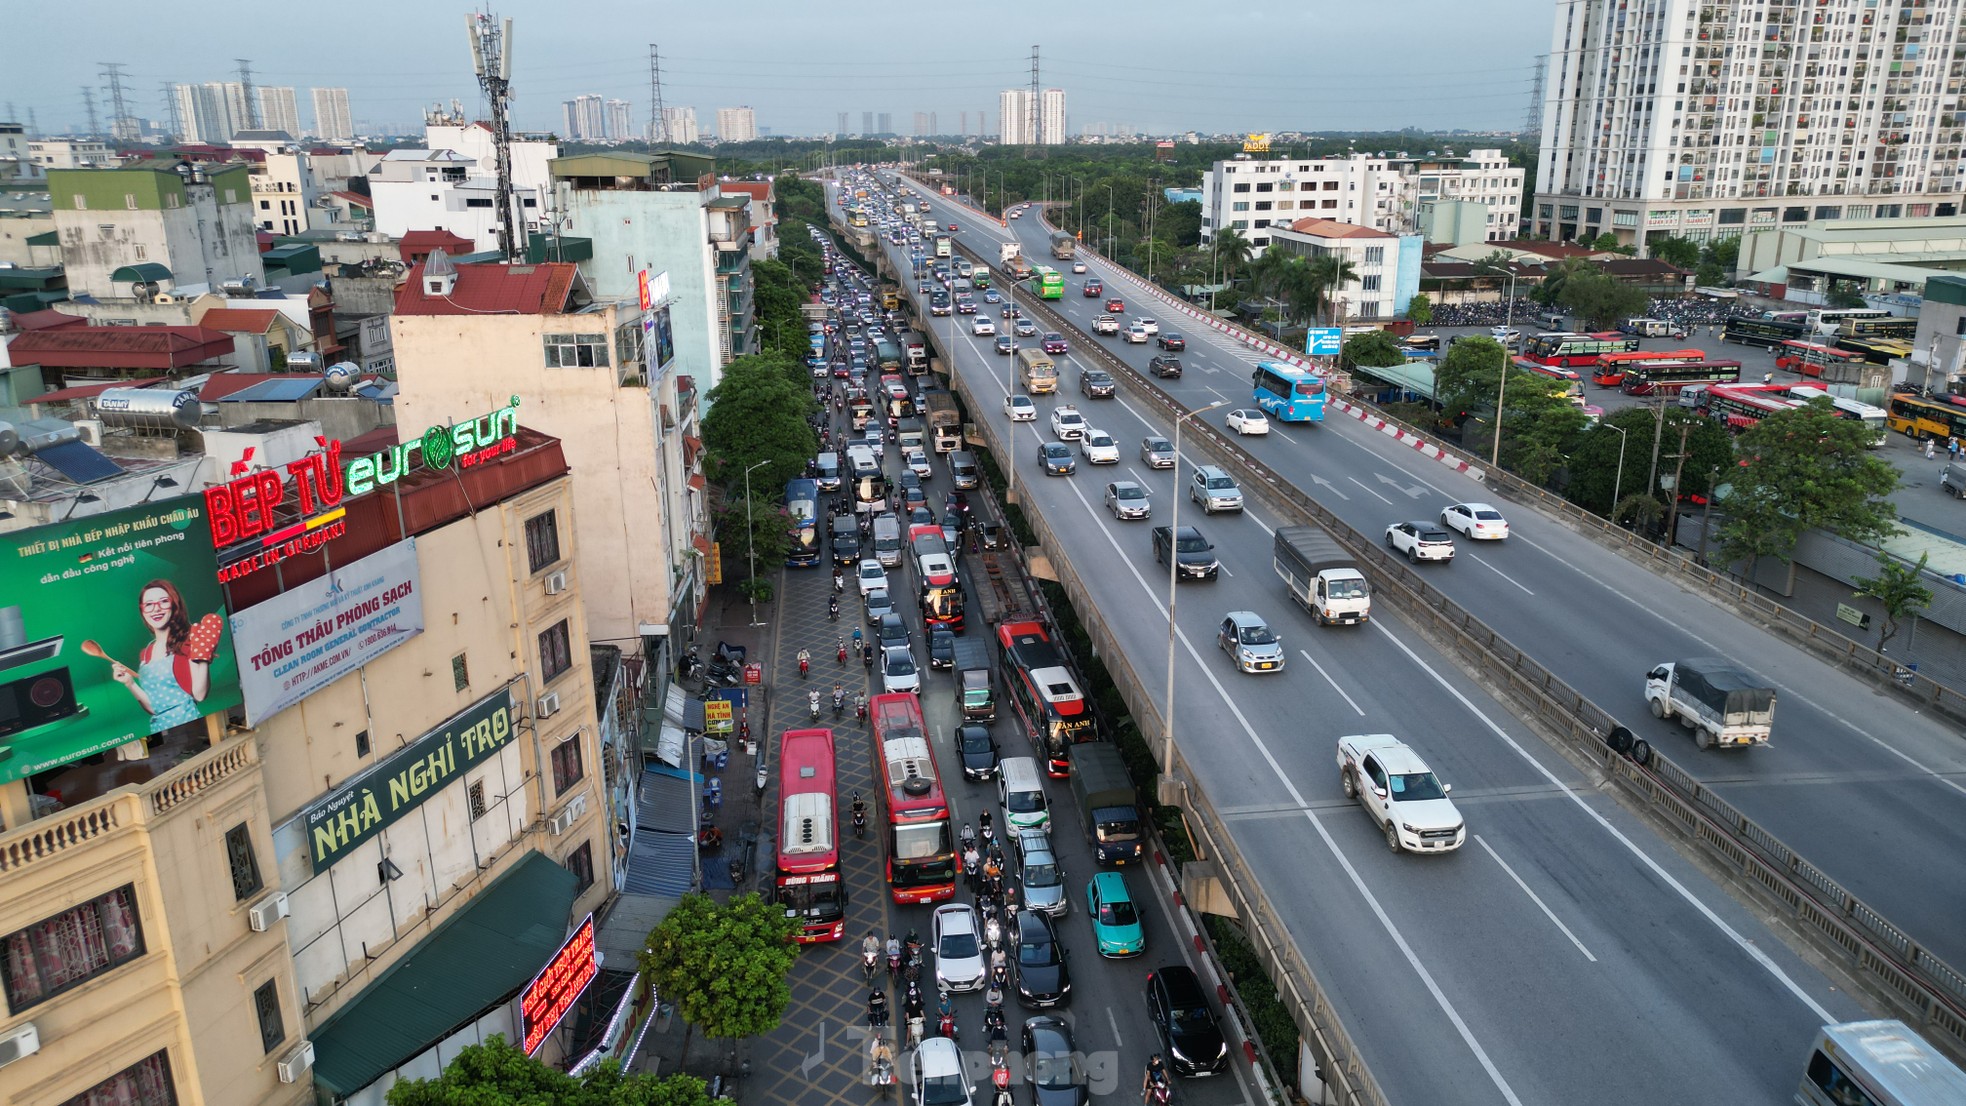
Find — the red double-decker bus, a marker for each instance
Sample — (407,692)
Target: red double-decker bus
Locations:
(809,886)
(921,850)
(1609,372)
(1048,700)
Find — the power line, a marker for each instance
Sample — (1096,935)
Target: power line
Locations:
(122,127)
(1031,136)
(248,94)
(89,105)
(658,116)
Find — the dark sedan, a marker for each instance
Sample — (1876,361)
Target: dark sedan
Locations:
(1052,1065)
(977,750)
(941,648)
(1057,459)
(1043,976)
(1190,1038)
(1172,342)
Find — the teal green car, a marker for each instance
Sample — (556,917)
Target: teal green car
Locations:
(1115,922)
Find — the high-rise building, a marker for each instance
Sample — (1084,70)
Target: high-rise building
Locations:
(922,125)
(1014,111)
(1385,194)
(1704,118)
(278,111)
(1051,117)
(736,124)
(965,125)
(620,121)
(584,118)
(332,120)
(885,124)
(841,129)
(205,111)
(682,126)
(866,122)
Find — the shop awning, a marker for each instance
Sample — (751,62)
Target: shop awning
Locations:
(142,270)
(484,954)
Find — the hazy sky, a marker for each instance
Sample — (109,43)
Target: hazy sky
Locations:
(1157,65)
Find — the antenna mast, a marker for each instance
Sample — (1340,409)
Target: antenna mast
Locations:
(171,111)
(658,115)
(491,58)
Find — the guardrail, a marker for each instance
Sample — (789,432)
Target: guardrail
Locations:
(1925,989)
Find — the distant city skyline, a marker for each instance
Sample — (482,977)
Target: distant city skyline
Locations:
(1479,71)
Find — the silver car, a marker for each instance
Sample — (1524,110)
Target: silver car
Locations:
(1127,499)
(1040,877)
(1157,451)
(958,948)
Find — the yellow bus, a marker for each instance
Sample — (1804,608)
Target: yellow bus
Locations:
(1919,417)
(1040,372)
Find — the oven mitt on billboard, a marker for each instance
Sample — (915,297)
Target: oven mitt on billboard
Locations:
(202,642)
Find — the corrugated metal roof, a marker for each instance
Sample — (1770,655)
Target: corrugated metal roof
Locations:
(135,347)
(245,320)
(513,289)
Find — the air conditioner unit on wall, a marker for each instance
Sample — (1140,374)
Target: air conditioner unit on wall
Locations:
(19,1043)
(262,914)
(296,1063)
(556,582)
(548,705)
(568,815)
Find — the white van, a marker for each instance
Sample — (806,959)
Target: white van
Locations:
(1020,788)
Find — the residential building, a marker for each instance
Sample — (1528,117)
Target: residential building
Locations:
(204,113)
(278,111)
(1051,117)
(736,125)
(1387,265)
(241,109)
(866,122)
(27,226)
(451,184)
(1709,118)
(285,186)
(682,127)
(839,131)
(16,162)
(332,121)
(1482,179)
(70,153)
(1255,195)
(1014,109)
(763,214)
(620,121)
(883,123)
(922,125)
(583,119)
(145,228)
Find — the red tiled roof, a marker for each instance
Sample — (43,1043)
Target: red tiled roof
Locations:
(416,245)
(756,189)
(355,198)
(48,319)
(86,391)
(239,320)
(492,289)
(120,347)
(1332,228)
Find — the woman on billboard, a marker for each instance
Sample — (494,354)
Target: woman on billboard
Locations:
(174,671)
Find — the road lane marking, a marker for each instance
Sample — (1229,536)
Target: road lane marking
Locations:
(1360,711)
(1657,870)
(1484,563)
(1533,897)
(1374,494)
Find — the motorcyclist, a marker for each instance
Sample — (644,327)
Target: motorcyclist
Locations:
(877,1008)
(870,951)
(860,705)
(805,662)
(833,611)
(1155,1076)
(812,699)
(839,698)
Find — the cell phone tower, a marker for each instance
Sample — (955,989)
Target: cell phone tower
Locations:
(491,58)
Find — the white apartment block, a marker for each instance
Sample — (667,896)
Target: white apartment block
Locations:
(70,153)
(332,122)
(620,120)
(451,184)
(1014,108)
(1384,194)
(205,113)
(682,126)
(278,111)
(736,125)
(1387,265)
(1709,119)
(582,118)
(1051,117)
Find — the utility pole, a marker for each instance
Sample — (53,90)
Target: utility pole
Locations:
(491,58)
(122,128)
(658,116)
(89,105)
(1678,469)
(248,93)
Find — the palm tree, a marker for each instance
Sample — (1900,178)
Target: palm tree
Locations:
(1299,287)
(1232,252)
(1266,272)
(1330,272)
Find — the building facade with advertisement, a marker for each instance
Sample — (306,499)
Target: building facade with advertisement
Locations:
(287,883)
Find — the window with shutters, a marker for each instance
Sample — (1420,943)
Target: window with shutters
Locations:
(555,652)
(266,1003)
(70,948)
(245,866)
(542,540)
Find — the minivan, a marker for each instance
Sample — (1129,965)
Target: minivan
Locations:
(1020,788)
(1215,490)
(962,469)
(827,467)
(887,540)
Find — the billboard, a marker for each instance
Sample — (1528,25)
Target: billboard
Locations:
(309,636)
(552,993)
(112,628)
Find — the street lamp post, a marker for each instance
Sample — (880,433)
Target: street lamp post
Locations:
(1706,513)
(1501,390)
(1109,220)
(1173,577)
(750,543)
(1618,481)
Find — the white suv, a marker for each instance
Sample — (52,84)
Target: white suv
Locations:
(1067,424)
(1404,799)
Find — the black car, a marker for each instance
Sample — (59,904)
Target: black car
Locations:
(1096,383)
(941,648)
(977,750)
(1052,1065)
(1160,364)
(1189,1036)
(1057,459)
(1043,976)
(891,632)
(846,548)
(1172,342)
(1191,551)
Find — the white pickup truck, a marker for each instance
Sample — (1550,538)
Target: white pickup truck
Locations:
(1404,799)
(1105,324)
(1720,703)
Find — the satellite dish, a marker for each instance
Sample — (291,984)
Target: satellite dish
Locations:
(14,480)
(9,439)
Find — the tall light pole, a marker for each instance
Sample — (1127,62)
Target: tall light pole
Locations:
(1173,577)
(1109,220)
(1618,482)
(750,541)
(1501,389)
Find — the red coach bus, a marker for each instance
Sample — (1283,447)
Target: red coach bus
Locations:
(1609,372)
(809,886)
(921,850)
(1048,700)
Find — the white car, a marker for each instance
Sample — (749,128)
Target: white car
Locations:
(898,670)
(1099,448)
(916,461)
(1020,408)
(1148,325)
(938,1075)
(983,327)
(959,964)
(1248,421)
(872,577)
(1105,324)
(1420,541)
(1067,424)
(1476,520)
(1405,801)
(1078,266)
(1137,335)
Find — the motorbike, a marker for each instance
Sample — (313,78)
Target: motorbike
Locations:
(1160,1090)
(867,656)
(877,1010)
(812,700)
(868,959)
(860,705)
(833,608)
(805,664)
(859,823)
(839,702)
(721,673)
(893,957)
(842,647)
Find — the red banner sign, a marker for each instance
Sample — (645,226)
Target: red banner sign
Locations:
(552,992)
(256,523)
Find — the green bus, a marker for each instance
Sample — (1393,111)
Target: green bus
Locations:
(1049,282)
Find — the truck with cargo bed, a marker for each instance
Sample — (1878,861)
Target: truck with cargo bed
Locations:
(1109,809)
(976,695)
(1721,703)
(1321,576)
(945,421)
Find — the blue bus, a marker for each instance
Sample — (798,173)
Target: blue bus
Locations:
(802,504)
(1289,394)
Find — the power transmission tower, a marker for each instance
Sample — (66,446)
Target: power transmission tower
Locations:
(171,110)
(1532,126)
(122,128)
(248,93)
(1032,137)
(89,105)
(491,58)
(658,116)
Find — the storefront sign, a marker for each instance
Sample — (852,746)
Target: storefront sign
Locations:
(244,512)
(361,808)
(463,444)
(112,628)
(553,991)
(717,716)
(301,641)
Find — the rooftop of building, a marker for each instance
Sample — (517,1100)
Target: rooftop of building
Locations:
(240,320)
(619,171)
(121,347)
(1332,228)
(549,288)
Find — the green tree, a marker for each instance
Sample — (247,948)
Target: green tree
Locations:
(724,965)
(1718,259)
(758,413)
(1541,426)
(1600,299)
(1805,469)
(758,526)
(1420,309)
(777,293)
(1674,250)
(1605,242)
(1327,274)
(1266,273)
(1899,588)
(1556,275)
(1179,223)
(1153,255)
(497,1074)
(1374,350)
(1232,252)
(1468,376)
(1593,464)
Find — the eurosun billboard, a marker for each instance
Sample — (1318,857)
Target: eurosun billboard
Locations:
(112,628)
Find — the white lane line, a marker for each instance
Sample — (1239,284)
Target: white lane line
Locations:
(1484,563)
(1224,570)
(1533,897)
(1617,835)
(1374,494)
(1219,395)
(1360,711)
